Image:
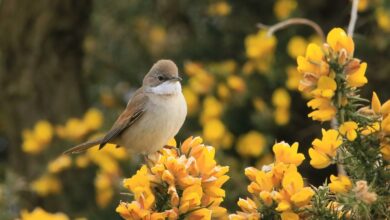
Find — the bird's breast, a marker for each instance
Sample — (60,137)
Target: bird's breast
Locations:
(162,120)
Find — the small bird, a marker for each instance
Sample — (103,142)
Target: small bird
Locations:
(153,115)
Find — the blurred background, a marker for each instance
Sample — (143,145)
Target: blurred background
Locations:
(68,68)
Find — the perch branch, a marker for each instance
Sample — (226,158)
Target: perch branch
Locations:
(292,21)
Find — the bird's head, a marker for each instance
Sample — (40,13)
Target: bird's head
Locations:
(163,78)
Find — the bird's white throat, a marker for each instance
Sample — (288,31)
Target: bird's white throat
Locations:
(166,88)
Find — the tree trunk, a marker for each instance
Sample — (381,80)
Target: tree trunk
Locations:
(40,66)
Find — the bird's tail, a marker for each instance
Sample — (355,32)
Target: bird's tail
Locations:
(83,147)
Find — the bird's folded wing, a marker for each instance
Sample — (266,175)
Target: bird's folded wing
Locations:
(133,112)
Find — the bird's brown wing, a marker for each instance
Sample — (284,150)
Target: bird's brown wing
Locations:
(133,112)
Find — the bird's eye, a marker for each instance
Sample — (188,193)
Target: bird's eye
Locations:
(161,78)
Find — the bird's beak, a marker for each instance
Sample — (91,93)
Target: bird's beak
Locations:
(176,78)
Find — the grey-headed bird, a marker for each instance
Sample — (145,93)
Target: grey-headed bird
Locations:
(152,116)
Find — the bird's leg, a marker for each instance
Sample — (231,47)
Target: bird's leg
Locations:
(147,160)
(174,148)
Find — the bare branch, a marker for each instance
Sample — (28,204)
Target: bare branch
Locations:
(353,19)
(292,21)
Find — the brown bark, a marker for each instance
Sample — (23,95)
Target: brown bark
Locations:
(40,66)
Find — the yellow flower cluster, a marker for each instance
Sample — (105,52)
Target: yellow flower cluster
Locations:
(46,185)
(36,140)
(319,74)
(382,112)
(340,184)
(277,186)
(251,144)
(349,130)
(40,214)
(383,18)
(179,182)
(107,159)
(259,49)
(220,8)
(324,150)
(281,100)
(201,81)
(153,36)
(76,128)
(283,8)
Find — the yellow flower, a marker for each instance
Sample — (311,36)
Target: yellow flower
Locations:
(104,189)
(194,68)
(338,40)
(107,158)
(200,80)
(293,78)
(249,210)
(220,8)
(383,18)
(157,38)
(82,161)
(385,151)
(227,140)
(369,129)
(340,184)
(191,198)
(212,108)
(286,154)
(223,91)
(140,187)
(259,45)
(200,214)
(358,78)
(61,163)
(283,8)
(296,46)
(259,104)
(326,87)
(363,5)
(223,68)
(348,129)
(43,132)
(247,205)
(74,129)
(40,214)
(312,67)
(325,109)
(46,185)
(36,140)
(93,119)
(192,100)
(214,130)
(375,103)
(251,144)
(260,180)
(288,215)
(293,193)
(324,150)
(282,116)
(236,83)
(281,98)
